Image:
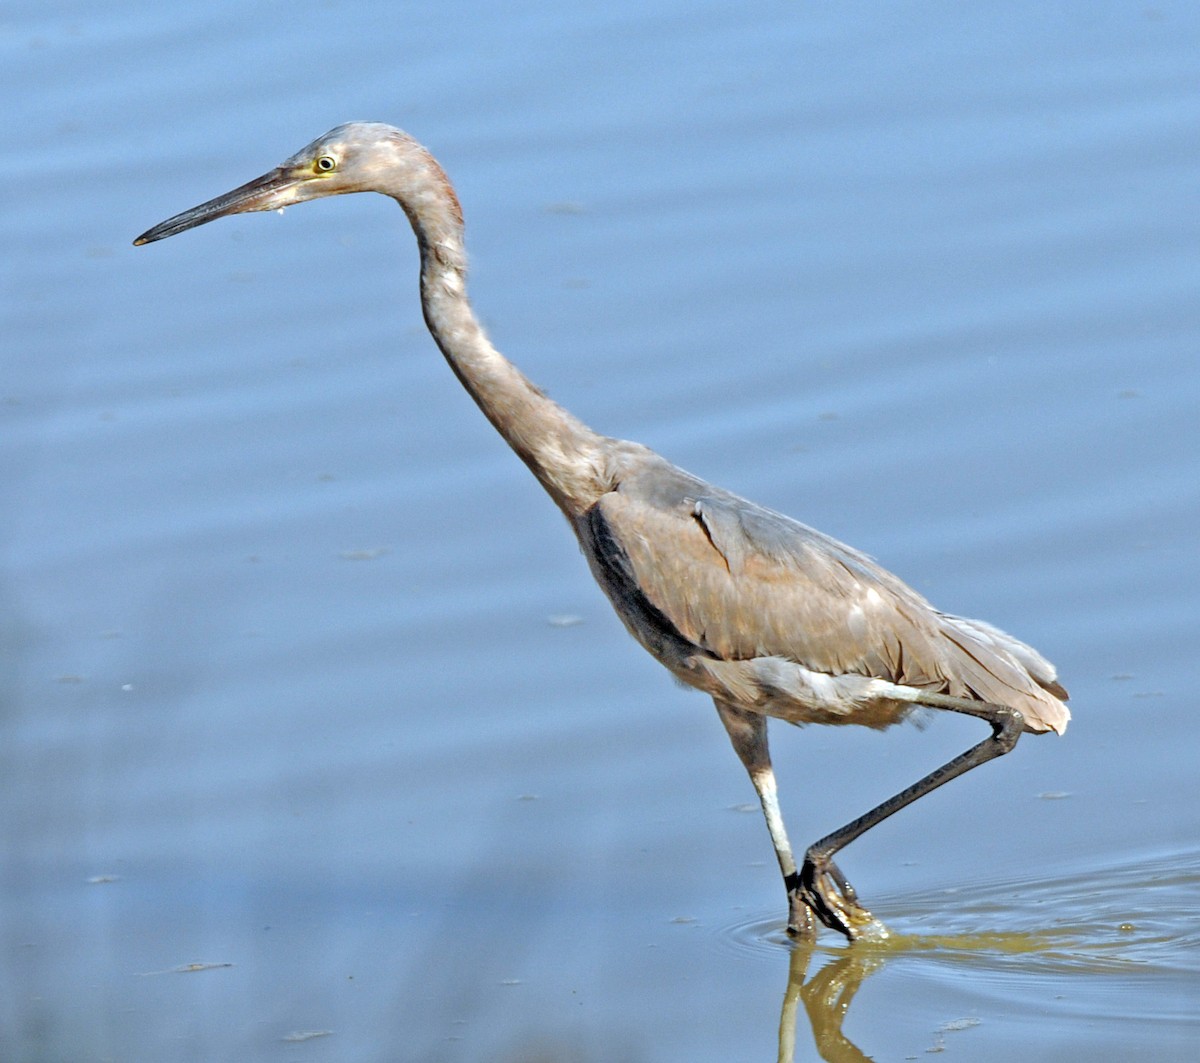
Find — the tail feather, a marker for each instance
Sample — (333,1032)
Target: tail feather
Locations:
(999,668)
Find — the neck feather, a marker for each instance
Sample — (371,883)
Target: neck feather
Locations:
(564,454)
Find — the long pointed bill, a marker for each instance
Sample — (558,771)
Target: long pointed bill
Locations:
(272,191)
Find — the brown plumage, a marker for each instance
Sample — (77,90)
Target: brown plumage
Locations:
(741,583)
(768,616)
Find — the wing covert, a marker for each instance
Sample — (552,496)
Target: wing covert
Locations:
(741,582)
(737,582)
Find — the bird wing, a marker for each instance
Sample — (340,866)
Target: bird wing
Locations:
(739,582)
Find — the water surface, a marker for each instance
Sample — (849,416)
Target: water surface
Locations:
(318,741)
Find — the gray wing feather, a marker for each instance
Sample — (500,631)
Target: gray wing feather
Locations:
(741,582)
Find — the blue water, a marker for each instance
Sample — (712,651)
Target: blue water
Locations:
(303,677)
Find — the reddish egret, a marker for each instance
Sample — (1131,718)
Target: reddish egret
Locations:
(766,615)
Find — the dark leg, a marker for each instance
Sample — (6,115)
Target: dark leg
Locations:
(823,887)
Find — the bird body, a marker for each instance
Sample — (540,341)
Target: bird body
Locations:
(761,610)
(768,616)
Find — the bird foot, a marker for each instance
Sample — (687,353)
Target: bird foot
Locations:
(822,893)
(802,923)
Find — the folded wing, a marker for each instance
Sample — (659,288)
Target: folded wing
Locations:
(741,582)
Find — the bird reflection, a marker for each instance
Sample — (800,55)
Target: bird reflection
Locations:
(826,997)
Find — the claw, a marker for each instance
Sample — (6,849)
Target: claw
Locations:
(826,893)
(842,883)
(801,921)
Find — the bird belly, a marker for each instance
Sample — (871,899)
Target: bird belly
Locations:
(775,686)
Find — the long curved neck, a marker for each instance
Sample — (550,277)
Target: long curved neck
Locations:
(564,454)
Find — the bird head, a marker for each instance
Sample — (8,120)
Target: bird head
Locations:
(356,157)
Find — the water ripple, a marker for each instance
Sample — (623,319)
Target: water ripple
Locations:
(1139,918)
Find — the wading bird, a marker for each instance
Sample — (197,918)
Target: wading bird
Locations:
(766,615)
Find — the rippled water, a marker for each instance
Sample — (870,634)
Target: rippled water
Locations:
(317,740)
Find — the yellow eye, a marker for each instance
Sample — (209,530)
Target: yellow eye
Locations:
(325,164)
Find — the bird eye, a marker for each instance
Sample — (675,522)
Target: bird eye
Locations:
(325,164)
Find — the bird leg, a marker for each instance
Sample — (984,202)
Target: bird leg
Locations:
(748,733)
(823,887)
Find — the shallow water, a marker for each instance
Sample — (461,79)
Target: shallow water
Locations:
(318,741)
